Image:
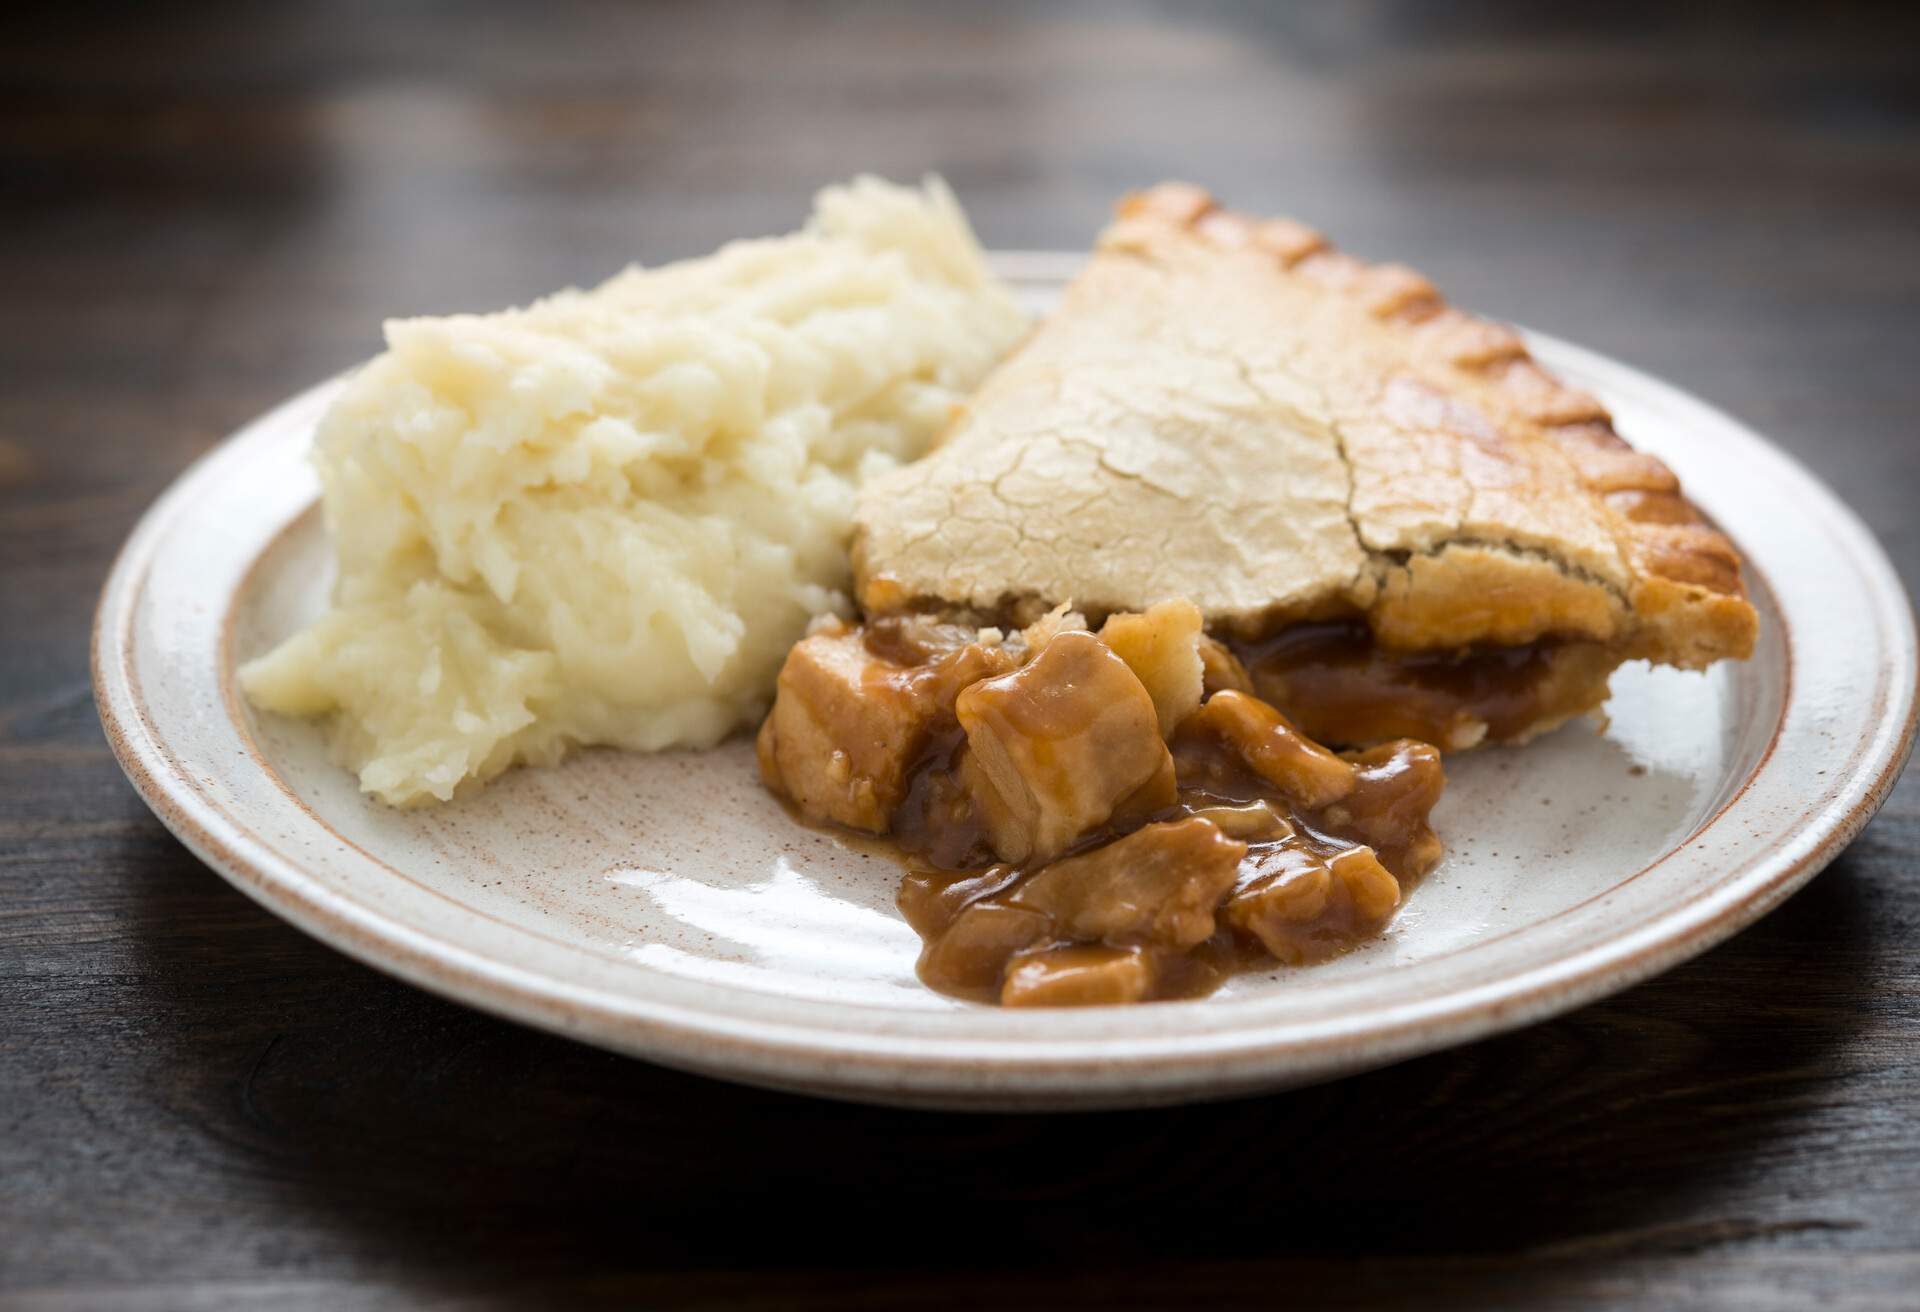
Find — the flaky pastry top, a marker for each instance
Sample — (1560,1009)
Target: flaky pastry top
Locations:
(1227,409)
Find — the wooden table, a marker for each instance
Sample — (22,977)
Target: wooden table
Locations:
(204,209)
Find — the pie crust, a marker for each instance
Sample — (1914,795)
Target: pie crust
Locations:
(1226,409)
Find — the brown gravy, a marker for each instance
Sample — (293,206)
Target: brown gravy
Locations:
(1302,890)
(1232,842)
(1340,688)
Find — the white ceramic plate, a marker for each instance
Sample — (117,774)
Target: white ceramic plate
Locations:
(667,907)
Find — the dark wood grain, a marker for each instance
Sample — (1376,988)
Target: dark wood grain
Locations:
(204,208)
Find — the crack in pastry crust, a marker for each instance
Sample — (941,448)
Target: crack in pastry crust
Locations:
(1228,409)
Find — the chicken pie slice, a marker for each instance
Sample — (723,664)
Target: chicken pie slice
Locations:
(1401,523)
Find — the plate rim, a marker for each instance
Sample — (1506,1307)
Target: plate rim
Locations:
(999,1072)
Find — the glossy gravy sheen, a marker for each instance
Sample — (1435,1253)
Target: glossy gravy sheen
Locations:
(1232,842)
(1339,687)
(1300,893)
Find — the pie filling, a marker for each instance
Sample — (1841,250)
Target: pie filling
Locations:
(1085,826)
(1338,687)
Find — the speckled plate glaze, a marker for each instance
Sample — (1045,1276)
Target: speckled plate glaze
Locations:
(667,907)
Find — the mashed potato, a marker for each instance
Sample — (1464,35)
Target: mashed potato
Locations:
(605,518)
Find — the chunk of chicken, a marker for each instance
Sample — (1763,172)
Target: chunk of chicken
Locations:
(1373,890)
(1302,906)
(1161,645)
(972,955)
(1160,883)
(847,727)
(1289,888)
(1220,668)
(1307,774)
(932,899)
(1082,975)
(1395,788)
(1061,744)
